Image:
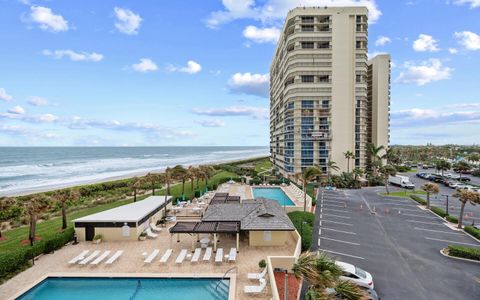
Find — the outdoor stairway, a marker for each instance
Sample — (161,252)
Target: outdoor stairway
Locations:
(219,291)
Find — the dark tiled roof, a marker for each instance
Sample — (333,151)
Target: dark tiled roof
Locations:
(258,214)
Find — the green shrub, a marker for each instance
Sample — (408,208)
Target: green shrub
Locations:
(473,231)
(305,230)
(418,199)
(402,169)
(262,264)
(452,219)
(197,194)
(464,252)
(438,211)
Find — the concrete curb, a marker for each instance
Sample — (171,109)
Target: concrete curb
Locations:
(459,258)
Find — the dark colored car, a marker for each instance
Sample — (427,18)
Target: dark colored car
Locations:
(464,179)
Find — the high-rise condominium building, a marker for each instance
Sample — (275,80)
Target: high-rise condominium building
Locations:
(326,98)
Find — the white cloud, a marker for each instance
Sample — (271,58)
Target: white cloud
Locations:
(74,56)
(452,50)
(192,67)
(382,41)
(249,111)
(469,40)
(37,101)
(127,21)
(251,84)
(4,96)
(272,11)
(145,65)
(47,20)
(473,3)
(425,43)
(423,73)
(211,123)
(47,118)
(18,110)
(262,35)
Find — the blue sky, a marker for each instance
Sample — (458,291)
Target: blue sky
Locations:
(133,73)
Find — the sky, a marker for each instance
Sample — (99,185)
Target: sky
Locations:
(191,73)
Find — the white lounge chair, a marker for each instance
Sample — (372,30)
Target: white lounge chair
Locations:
(114,257)
(152,256)
(89,258)
(166,256)
(100,258)
(256,289)
(219,255)
(78,257)
(150,234)
(232,255)
(181,256)
(257,276)
(196,255)
(155,228)
(208,254)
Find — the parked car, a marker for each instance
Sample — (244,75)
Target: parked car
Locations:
(464,179)
(447,183)
(461,187)
(454,185)
(355,275)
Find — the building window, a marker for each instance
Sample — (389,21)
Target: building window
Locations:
(359,19)
(307,28)
(325,103)
(307,78)
(358,45)
(324,78)
(307,19)
(308,45)
(323,45)
(324,28)
(307,104)
(267,236)
(324,19)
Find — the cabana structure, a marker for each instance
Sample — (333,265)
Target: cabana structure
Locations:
(125,222)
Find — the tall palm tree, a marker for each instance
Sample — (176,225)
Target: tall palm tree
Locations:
(357,172)
(461,167)
(465,196)
(6,205)
(180,173)
(206,171)
(331,165)
(374,153)
(322,273)
(442,165)
(430,188)
(348,155)
(33,206)
(168,179)
(191,173)
(62,197)
(308,175)
(153,178)
(135,185)
(387,171)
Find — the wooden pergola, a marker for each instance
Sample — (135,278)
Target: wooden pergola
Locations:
(207,227)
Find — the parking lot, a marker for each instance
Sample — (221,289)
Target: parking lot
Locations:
(397,242)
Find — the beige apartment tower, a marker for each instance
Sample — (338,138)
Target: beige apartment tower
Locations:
(326,97)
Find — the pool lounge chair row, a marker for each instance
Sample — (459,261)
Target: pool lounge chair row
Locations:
(195,258)
(94,258)
(256,289)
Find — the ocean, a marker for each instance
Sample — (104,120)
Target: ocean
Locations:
(30,169)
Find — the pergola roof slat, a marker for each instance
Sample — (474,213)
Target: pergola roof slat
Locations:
(205,227)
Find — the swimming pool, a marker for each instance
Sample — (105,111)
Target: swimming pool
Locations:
(73,288)
(273,193)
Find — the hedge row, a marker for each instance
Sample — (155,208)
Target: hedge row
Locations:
(12,261)
(473,231)
(464,252)
(305,230)
(438,211)
(418,199)
(452,219)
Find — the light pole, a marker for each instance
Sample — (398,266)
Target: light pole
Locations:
(446,208)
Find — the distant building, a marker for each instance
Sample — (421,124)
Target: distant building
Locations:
(326,98)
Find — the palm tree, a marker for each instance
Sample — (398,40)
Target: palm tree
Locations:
(33,206)
(191,173)
(391,156)
(308,175)
(466,196)
(430,188)
(180,173)
(374,153)
(331,165)
(153,178)
(6,205)
(322,273)
(206,171)
(62,196)
(349,155)
(461,167)
(168,179)
(442,165)
(357,172)
(387,171)
(135,184)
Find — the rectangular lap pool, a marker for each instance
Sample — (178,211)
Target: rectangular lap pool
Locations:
(273,193)
(73,288)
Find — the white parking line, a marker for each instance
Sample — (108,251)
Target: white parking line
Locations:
(339,253)
(340,241)
(334,205)
(334,222)
(420,216)
(454,242)
(341,231)
(406,209)
(337,210)
(423,222)
(439,231)
(398,204)
(336,216)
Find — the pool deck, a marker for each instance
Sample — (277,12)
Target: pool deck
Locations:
(131,262)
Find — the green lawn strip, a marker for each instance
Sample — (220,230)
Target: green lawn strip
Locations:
(263,165)
(305,230)
(404,193)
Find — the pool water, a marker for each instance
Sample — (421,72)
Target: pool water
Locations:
(54,288)
(273,193)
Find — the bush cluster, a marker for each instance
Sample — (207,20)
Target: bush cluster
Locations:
(452,219)
(473,231)
(402,169)
(14,260)
(476,172)
(438,211)
(306,231)
(418,199)
(464,252)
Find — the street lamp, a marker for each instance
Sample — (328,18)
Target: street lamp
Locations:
(446,208)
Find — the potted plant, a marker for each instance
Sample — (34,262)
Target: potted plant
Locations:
(97,239)
(262,264)
(142,236)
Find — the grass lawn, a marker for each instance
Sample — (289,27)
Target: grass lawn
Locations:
(263,165)
(49,227)
(405,193)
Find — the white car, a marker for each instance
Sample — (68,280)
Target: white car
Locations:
(461,187)
(355,275)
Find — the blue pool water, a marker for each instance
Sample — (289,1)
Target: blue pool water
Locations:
(54,288)
(273,193)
